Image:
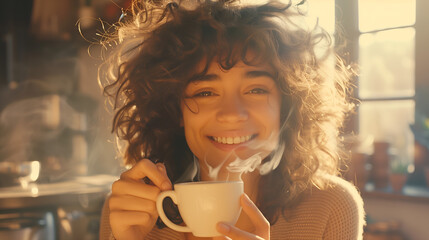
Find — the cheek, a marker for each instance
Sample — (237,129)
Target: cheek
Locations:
(191,139)
(190,105)
(189,109)
(188,126)
(269,115)
(275,109)
(193,124)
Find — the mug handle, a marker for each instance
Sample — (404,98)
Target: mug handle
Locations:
(160,209)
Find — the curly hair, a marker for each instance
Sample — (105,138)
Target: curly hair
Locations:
(157,53)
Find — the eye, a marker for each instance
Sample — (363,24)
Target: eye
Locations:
(258,91)
(204,94)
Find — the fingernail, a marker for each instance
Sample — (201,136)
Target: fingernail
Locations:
(165,186)
(161,167)
(223,228)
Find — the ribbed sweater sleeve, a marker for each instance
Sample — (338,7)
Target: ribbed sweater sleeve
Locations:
(346,214)
(335,212)
(105,233)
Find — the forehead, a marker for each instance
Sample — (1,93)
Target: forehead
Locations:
(223,66)
(215,71)
(216,67)
(237,56)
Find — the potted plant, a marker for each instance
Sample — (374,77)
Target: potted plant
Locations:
(398,175)
(420,130)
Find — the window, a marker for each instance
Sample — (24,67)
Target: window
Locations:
(386,58)
(382,40)
(387,39)
(324,11)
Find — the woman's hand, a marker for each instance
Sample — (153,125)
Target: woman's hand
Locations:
(133,202)
(261,224)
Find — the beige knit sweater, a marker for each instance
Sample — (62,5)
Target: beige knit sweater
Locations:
(333,213)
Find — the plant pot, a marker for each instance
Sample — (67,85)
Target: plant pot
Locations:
(397,181)
(357,172)
(380,165)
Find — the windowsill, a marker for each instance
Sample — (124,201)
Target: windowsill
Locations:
(408,193)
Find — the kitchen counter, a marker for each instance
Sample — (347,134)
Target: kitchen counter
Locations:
(60,193)
(68,210)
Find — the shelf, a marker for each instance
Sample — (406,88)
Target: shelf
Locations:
(409,193)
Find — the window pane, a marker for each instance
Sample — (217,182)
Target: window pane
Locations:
(389,121)
(324,10)
(380,14)
(386,62)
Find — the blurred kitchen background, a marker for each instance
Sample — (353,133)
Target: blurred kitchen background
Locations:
(58,157)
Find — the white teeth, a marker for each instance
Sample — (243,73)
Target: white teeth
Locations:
(232,140)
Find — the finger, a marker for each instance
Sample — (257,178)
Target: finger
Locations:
(258,219)
(221,238)
(124,223)
(130,218)
(131,203)
(235,233)
(161,167)
(133,188)
(146,168)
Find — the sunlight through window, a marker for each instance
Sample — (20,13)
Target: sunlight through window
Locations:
(386,61)
(324,10)
(381,14)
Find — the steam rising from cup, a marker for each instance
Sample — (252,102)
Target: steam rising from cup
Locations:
(268,148)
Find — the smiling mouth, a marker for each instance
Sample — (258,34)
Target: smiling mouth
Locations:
(233,140)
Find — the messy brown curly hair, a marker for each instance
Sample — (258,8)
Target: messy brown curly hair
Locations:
(157,53)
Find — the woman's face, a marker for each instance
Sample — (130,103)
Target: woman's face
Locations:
(230,114)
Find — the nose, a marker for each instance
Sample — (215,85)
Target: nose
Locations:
(232,110)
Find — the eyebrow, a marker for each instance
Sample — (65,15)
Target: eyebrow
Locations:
(207,77)
(259,73)
(249,74)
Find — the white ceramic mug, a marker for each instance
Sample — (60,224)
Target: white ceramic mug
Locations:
(202,205)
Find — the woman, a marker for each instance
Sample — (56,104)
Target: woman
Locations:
(223,83)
